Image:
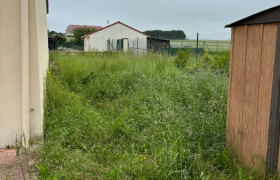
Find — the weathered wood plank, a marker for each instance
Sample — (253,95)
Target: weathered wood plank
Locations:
(236,74)
(265,87)
(250,91)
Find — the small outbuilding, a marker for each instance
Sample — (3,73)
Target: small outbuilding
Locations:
(253,113)
(116,36)
(157,44)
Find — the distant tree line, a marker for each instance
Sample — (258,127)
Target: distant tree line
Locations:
(173,34)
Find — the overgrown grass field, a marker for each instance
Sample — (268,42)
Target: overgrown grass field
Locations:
(122,116)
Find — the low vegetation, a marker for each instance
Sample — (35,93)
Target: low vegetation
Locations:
(120,116)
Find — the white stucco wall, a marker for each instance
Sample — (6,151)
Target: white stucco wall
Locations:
(98,40)
(68,32)
(86,44)
(11,70)
(38,64)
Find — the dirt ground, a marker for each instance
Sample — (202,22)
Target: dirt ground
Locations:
(10,158)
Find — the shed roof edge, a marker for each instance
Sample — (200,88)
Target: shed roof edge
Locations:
(239,22)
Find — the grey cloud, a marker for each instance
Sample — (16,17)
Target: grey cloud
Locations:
(203,16)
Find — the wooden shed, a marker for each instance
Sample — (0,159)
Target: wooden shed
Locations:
(253,93)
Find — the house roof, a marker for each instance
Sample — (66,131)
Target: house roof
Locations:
(115,24)
(270,15)
(72,27)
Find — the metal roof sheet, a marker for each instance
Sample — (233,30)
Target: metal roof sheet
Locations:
(270,15)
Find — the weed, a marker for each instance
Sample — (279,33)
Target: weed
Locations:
(182,58)
(218,62)
(241,174)
(206,56)
(120,116)
(9,146)
(8,174)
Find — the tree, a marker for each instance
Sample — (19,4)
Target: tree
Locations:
(79,32)
(54,33)
(51,33)
(61,34)
(60,39)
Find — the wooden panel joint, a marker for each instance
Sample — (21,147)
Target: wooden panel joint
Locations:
(273,133)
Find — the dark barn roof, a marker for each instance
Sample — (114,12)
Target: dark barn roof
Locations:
(270,15)
(160,39)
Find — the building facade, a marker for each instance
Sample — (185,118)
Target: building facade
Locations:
(23,64)
(108,38)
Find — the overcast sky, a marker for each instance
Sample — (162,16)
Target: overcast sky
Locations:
(191,16)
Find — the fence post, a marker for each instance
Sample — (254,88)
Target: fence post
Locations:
(197,44)
(169,46)
(137,45)
(217,46)
(151,43)
(204,46)
(109,44)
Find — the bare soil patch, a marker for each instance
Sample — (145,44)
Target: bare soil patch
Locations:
(10,158)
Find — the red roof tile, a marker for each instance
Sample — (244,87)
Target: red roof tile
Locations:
(115,24)
(72,27)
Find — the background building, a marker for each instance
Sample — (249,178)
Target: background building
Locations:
(111,38)
(70,28)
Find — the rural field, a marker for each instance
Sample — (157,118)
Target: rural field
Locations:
(122,116)
(211,45)
(69,38)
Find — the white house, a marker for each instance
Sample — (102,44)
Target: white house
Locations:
(115,36)
(71,27)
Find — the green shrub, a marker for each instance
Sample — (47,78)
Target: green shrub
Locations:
(60,39)
(206,56)
(198,64)
(217,62)
(220,61)
(182,58)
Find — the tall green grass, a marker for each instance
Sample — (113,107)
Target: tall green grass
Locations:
(120,116)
